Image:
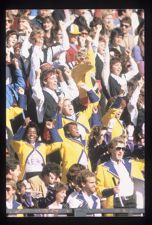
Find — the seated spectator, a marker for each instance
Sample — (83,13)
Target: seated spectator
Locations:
(24,195)
(50,174)
(60,194)
(72,173)
(12,169)
(11,203)
(86,198)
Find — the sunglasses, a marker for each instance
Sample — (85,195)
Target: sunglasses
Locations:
(124,25)
(84,33)
(8,189)
(120,148)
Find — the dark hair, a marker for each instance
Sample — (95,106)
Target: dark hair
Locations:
(73,171)
(45,72)
(11,164)
(114,33)
(81,22)
(66,128)
(114,61)
(11,32)
(95,22)
(51,167)
(31,125)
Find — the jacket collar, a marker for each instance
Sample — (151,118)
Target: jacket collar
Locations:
(111,168)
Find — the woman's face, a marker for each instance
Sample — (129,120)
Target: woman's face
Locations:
(32,135)
(116,68)
(60,196)
(47,25)
(12,40)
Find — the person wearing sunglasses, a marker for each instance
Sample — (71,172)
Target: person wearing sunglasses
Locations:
(128,39)
(11,203)
(116,178)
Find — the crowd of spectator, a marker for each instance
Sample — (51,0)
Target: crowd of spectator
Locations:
(75,111)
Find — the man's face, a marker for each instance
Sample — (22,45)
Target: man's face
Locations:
(74,132)
(15,173)
(51,82)
(90,186)
(10,192)
(125,27)
(117,152)
(50,179)
(67,109)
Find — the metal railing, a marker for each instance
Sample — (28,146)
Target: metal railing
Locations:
(79,212)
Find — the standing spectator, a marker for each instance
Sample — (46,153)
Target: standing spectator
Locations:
(24,28)
(31,153)
(116,40)
(128,39)
(15,96)
(118,81)
(48,25)
(116,177)
(81,117)
(73,149)
(73,32)
(37,21)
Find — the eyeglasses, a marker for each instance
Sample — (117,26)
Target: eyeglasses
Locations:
(84,33)
(124,25)
(8,189)
(120,148)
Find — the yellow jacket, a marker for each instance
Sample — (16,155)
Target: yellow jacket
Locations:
(105,173)
(71,151)
(24,150)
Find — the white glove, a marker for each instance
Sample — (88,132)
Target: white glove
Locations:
(130,129)
(111,124)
